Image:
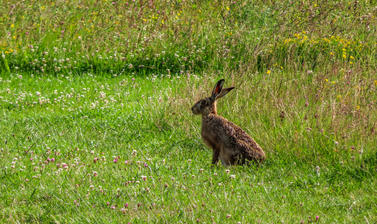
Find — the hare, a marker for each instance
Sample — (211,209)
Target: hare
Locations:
(229,142)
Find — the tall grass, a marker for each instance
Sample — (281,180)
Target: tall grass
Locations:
(178,36)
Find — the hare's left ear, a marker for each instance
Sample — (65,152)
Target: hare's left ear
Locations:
(217,90)
(224,92)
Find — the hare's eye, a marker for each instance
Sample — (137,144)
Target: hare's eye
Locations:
(203,104)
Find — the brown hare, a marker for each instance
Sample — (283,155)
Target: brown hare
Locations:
(229,142)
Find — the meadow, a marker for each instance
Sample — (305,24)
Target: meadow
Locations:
(96,126)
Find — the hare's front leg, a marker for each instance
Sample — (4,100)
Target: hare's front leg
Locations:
(215,156)
(216,151)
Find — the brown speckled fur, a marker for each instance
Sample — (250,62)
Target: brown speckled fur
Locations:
(229,142)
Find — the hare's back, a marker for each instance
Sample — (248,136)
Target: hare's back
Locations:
(236,135)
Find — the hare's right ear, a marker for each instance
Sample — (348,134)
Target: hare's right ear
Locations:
(224,92)
(217,90)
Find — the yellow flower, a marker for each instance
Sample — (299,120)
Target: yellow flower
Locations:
(357,107)
(326,80)
(227,8)
(331,53)
(344,56)
(339,96)
(268,72)
(333,82)
(375,82)
(12,25)
(351,57)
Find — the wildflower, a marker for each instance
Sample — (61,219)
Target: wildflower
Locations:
(126,162)
(123,210)
(317,218)
(228,216)
(115,160)
(95,159)
(145,165)
(64,165)
(144,178)
(126,205)
(268,72)
(232,176)
(95,173)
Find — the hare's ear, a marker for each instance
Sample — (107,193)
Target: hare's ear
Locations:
(217,90)
(224,92)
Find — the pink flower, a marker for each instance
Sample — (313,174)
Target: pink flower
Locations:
(95,159)
(144,178)
(64,165)
(145,165)
(126,205)
(115,160)
(126,162)
(95,173)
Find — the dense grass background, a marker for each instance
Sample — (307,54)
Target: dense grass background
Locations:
(95,101)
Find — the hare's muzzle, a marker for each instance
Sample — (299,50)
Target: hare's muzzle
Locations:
(195,109)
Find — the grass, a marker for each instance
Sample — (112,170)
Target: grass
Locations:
(96,124)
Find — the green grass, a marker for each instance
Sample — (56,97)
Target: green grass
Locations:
(85,87)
